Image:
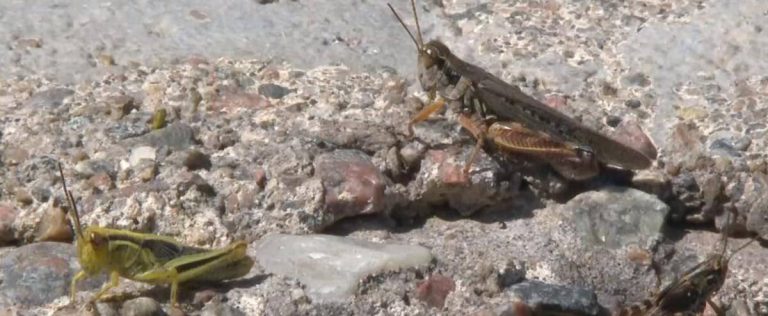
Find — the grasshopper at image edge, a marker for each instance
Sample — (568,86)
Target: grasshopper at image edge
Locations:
(148,258)
(473,90)
(693,290)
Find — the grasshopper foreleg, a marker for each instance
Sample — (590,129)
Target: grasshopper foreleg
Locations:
(73,285)
(718,310)
(478,131)
(114,281)
(458,94)
(425,113)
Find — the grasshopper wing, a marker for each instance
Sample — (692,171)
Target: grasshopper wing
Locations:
(510,103)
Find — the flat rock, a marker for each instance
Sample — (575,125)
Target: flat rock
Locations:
(175,136)
(616,217)
(330,266)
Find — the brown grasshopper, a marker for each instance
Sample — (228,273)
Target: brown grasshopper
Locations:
(689,294)
(565,143)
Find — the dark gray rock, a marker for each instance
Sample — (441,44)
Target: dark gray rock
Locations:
(36,274)
(196,160)
(124,130)
(548,298)
(273,91)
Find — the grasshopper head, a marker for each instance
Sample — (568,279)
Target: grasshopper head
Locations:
(92,247)
(432,56)
(431,64)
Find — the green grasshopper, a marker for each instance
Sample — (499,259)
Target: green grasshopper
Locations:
(149,258)
(472,90)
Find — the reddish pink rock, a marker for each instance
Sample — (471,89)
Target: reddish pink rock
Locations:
(435,289)
(101,181)
(448,171)
(7,216)
(204,296)
(260,176)
(352,184)
(556,101)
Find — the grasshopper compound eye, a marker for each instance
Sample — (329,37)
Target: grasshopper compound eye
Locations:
(585,153)
(98,240)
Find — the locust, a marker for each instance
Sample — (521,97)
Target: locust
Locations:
(488,103)
(689,294)
(148,258)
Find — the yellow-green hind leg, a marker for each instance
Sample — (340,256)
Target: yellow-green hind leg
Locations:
(174,276)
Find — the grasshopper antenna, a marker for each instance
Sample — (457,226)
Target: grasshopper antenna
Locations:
(742,247)
(418,46)
(73,207)
(418,27)
(725,239)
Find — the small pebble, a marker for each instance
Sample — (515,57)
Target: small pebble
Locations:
(196,160)
(260,176)
(23,197)
(197,182)
(30,42)
(106,60)
(217,308)
(613,120)
(512,273)
(101,181)
(142,153)
(435,289)
(273,91)
(121,106)
(142,306)
(146,171)
(633,103)
(203,297)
